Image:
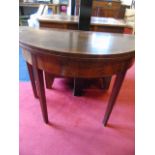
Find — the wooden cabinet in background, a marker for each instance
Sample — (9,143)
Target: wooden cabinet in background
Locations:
(105,9)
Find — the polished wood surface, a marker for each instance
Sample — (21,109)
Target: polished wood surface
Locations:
(78,43)
(101,24)
(76,54)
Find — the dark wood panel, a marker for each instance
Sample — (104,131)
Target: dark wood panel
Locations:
(107,29)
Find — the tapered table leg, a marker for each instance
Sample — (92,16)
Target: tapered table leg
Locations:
(38,74)
(49,79)
(30,70)
(115,91)
(106,82)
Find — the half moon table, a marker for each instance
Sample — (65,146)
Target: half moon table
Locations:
(76,54)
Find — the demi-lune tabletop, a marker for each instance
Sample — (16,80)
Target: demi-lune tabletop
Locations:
(77,43)
(76,54)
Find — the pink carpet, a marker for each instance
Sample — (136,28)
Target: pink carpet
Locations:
(76,122)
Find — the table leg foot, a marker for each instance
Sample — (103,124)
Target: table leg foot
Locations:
(30,70)
(115,91)
(38,74)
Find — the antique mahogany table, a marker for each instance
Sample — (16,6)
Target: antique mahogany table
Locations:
(76,54)
(98,24)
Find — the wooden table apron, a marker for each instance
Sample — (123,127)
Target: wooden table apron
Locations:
(75,66)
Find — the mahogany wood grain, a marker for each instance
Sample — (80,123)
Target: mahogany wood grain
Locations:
(78,55)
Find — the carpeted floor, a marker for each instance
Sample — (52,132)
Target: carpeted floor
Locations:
(76,122)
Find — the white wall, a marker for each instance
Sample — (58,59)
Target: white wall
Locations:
(126,2)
